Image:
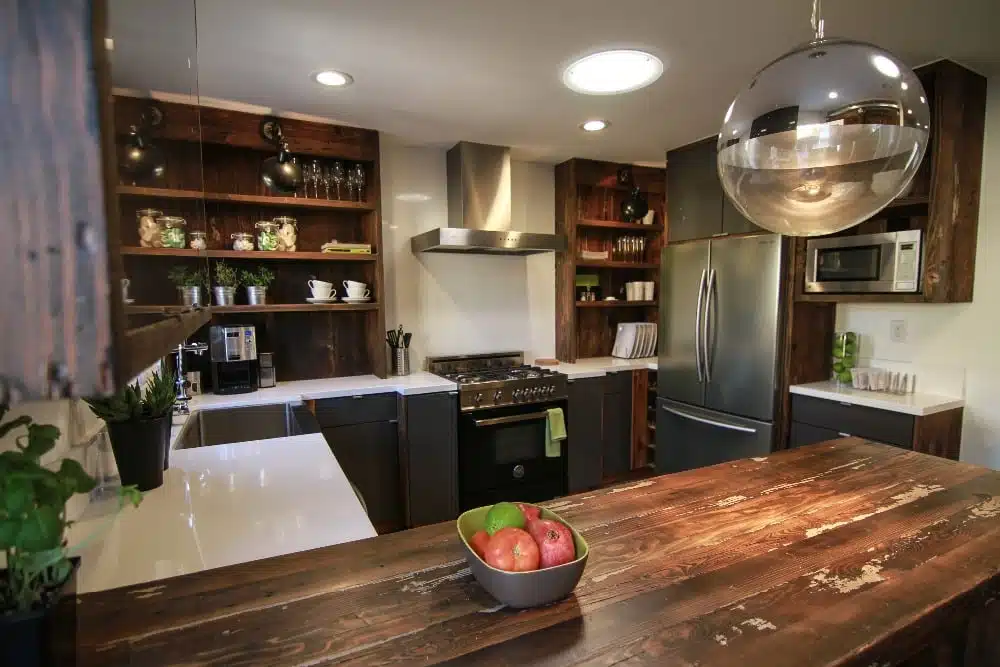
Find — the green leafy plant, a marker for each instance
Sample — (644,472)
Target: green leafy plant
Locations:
(226,276)
(259,277)
(130,403)
(182,277)
(33,515)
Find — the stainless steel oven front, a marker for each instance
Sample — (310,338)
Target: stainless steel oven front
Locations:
(869,263)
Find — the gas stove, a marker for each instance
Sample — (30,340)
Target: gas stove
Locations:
(497,380)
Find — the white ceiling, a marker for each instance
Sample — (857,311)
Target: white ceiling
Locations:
(439,71)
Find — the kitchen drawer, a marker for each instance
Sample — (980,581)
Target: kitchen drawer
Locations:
(356,409)
(880,425)
(801,434)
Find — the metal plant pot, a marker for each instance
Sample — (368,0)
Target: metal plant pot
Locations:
(224,296)
(190,296)
(256,295)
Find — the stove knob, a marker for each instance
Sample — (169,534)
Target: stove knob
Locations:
(533,392)
(478,398)
(552,389)
(497,395)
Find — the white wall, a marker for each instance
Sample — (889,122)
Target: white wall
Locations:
(458,304)
(953,348)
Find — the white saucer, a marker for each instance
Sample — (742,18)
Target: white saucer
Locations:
(129,302)
(313,299)
(356,299)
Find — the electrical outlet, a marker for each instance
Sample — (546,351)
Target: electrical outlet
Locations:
(897,331)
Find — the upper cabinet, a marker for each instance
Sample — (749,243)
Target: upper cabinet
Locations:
(697,207)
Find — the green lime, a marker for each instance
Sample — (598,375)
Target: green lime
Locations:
(504,515)
(838,354)
(838,367)
(844,376)
(851,336)
(847,364)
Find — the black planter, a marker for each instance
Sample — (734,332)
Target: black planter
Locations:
(141,451)
(44,637)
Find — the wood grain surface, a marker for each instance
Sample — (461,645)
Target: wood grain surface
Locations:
(841,553)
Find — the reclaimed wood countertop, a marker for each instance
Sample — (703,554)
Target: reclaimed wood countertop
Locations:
(841,553)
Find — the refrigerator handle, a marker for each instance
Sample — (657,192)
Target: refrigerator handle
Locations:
(705,329)
(698,325)
(710,422)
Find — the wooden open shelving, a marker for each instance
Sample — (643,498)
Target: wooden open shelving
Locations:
(588,197)
(242,308)
(616,304)
(259,200)
(616,224)
(251,255)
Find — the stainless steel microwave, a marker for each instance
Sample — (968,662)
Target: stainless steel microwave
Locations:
(871,263)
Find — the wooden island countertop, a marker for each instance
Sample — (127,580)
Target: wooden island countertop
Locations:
(842,553)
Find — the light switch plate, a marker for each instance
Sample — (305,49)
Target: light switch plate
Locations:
(897,331)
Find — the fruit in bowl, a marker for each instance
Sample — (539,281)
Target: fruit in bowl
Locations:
(522,554)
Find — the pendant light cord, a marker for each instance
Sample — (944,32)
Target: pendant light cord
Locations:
(817,19)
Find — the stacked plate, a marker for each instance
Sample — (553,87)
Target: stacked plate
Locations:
(635,340)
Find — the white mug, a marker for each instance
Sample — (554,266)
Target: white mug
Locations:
(631,293)
(649,218)
(321,289)
(353,284)
(648,290)
(125,285)
(358,293)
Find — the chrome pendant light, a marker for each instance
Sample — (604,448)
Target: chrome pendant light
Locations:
(824,137)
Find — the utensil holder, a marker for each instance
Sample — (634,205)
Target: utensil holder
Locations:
(401,361)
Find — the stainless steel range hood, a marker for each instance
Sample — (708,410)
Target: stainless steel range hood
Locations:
(479,205)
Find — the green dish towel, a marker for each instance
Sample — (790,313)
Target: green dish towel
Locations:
(555,432)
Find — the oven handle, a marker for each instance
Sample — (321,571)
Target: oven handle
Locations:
(512,419)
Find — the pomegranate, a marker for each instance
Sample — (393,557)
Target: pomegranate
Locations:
(530,513)
(478,543)
(555,542)
(512,550)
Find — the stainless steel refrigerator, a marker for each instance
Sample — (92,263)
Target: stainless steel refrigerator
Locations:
(718,352)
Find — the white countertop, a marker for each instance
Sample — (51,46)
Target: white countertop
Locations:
(220,506)
(911,404)
(598,366)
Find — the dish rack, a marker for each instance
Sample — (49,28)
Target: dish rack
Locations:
(635,340)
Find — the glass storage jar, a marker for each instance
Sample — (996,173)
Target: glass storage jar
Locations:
(150,231)
(267,235)
(173,234)
(242,241)
(845,356)
(288,233)
(197,241)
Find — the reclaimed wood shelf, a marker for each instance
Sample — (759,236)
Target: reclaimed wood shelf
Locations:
(242,308)
(888,297)
(909,201)
(616,224)
(616,304)
(259,200)
(145,345)
(614,264)
(251,254)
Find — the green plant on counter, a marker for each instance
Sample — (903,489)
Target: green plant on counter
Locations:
(33,515)
(181,277)
(259,277)
(226,276)
(131,404)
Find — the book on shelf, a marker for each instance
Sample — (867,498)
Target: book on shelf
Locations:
(356,248)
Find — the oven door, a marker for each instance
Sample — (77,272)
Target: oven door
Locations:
(852,264)
(501,454)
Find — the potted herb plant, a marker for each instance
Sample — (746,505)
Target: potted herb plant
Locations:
(139,427)
(189,284)
(257,281)
(38,586)
(227,279)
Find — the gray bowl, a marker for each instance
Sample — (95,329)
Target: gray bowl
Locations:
(522,589)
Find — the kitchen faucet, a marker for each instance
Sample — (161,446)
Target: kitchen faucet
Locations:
(181,398)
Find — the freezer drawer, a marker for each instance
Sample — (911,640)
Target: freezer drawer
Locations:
(690,437)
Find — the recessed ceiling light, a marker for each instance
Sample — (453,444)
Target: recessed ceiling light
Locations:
(413,197)
(331,77)
(613,72)
(833,95)
(595,125)
(904,85)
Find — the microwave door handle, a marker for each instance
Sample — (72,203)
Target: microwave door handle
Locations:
(512,419)
(697,324)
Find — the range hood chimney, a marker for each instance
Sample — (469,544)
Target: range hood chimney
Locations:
(479,205)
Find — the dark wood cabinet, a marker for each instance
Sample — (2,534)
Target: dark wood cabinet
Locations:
(616,432)
(585,449)
(694,195)
(363,433)
(817,420)
(429,457)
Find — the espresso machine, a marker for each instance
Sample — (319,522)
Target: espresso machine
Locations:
(233,352)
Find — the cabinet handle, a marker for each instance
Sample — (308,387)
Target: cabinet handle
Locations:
(393,421)
(846,405)
(357,396)
(843,435)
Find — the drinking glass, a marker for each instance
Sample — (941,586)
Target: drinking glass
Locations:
(316,177)
(352,183)
(327,179)
(337,175)
(359,180)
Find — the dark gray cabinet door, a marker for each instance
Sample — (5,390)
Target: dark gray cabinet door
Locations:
(430,458)
(694,194)
(734,222)
(617,425)
(584,432)
(369,455)
(800,435)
